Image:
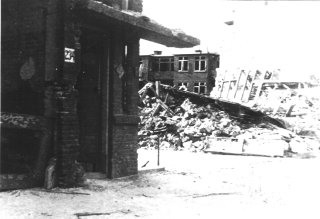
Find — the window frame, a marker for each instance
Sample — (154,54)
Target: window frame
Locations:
(198,86)
(159,61)
(200,60)
(183,61)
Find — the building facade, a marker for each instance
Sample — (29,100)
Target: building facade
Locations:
(69,82)
(194,72)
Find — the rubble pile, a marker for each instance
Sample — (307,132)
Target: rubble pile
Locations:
(204,127)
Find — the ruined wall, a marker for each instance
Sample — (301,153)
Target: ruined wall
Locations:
(22,56)
(22,88)
(213,64)
(136,5)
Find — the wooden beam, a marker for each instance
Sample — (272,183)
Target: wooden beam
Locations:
(148,29)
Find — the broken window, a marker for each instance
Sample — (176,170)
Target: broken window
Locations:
(199,87)
(183,86)
(183,63)
(200,63)
(163,64)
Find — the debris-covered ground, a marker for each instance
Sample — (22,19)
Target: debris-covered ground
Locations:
(195,126)
(194,185)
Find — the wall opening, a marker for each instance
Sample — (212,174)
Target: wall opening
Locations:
(90,102)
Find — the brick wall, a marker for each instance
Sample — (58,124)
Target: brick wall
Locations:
(124,159)
(191,76)
(22,79)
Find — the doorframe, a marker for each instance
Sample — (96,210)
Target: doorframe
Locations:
(106,94)
(105,104)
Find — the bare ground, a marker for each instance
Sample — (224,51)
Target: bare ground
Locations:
(194,185)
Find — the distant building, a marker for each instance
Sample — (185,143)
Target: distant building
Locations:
(195,72)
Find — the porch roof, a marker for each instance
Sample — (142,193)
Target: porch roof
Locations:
(148,29)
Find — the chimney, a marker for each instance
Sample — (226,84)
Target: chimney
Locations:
(157,52)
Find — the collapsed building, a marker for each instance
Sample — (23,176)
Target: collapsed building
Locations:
(69,87)
(189,121)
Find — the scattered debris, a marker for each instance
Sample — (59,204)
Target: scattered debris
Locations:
(212,194)
(61,192)
(86,214)
(50,180)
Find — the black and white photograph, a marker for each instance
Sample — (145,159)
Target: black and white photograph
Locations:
(160,109)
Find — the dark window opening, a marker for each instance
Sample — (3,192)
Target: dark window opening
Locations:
(200,63)
(163,64)
(183,63)
(199,87)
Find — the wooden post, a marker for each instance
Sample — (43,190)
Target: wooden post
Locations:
(158,151)
(237,84)
(244,87)
(158,88)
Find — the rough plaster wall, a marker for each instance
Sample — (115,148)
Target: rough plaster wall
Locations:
(22,82)
(22,58)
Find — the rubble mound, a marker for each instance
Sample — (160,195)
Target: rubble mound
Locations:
(204,127)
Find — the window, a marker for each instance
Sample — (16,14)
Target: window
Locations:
(199,88)
(183,63)
(200,63)
(183,86)
(163,64)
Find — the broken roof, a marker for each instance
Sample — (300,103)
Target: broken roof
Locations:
(149,30)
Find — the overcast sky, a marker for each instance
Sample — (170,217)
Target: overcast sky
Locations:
(265,34)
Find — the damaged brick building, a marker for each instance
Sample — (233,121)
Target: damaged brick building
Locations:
(196,72)
(69,82)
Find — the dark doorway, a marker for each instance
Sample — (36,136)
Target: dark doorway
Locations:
(92,147)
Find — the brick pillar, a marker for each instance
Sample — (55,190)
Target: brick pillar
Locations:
(68,142)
